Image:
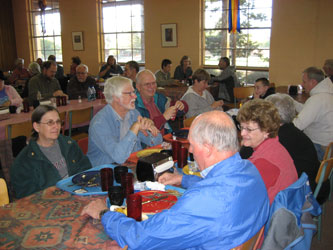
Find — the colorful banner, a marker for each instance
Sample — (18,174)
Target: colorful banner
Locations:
(234,23)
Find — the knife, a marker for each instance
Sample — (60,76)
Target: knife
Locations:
(155,199)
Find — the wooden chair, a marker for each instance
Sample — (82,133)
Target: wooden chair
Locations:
(63,118)
(324,173)
(4,198)
(83,144)
(187,122)
(242,93)
(77,117)
(328,155)
(252,243)
(18,129)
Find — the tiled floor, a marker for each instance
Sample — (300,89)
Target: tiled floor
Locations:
(326,241)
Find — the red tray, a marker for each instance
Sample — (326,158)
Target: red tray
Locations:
(159,205)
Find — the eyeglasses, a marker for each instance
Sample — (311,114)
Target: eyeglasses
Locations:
(129,93)
(50,123)
(249,130)
(81,73)
(150,84)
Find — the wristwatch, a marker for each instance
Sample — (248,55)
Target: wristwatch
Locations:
(101,213)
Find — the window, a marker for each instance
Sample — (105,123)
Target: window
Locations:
(123,30)
(248,50)
(46,30)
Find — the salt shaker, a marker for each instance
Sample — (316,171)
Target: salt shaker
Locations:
(79,99)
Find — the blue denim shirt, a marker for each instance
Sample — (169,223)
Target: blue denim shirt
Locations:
(105,145)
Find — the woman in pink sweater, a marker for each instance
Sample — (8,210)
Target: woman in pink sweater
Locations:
(8,95)
(259,124)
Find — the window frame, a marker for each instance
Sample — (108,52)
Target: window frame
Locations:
(132,32)
(34,38)
(229,49)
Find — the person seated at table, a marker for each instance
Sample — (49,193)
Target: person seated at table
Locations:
(227,80)
(49,156)
(20,74)
(8,94)
(154,105)
(40,62)
(131,70)
(183,72)
(111,67)
(262,88)
(315,116)
(328,68)
(118,129)
(76,61)
(163,76)
(259,125)
(34,69)
(198,99)
(298,144)
(79,84)
(222,210)
(45,83)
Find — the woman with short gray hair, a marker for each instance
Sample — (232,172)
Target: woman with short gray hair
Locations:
(297,143)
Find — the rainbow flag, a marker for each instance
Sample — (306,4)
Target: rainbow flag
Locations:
(234,23)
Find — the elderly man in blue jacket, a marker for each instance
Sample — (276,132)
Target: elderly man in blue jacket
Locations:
(221,210)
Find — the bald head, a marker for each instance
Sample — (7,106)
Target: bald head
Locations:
(146,84)
(217,129)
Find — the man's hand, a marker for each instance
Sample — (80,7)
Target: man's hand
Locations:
(217,104)
(144,124)
(170,179)
(59,93)
(94,208)
(179,105)
(170,113)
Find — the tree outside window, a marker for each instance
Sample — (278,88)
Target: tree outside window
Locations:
(247,50)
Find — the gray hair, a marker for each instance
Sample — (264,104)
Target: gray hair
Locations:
(18,61)
(329,63)
(217,129)
(144,71)
(114,86)
(82,66)
(315,74)
(285,105)
(34,68)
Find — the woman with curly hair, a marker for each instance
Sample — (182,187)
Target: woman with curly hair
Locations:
(259,125)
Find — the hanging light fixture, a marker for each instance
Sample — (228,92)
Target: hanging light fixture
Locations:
(42,5)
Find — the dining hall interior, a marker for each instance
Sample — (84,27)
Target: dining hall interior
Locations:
(299,36)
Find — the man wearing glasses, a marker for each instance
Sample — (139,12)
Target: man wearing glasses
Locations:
(79,84)
(118,129)
(154,105)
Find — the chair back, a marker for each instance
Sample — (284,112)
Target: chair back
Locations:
(187,122)
(83,144)
(329,152)
(290,224)
(63,118)
(242,93)
(253,243)
(77,117)
(18,129)
(323,174)
(4,198)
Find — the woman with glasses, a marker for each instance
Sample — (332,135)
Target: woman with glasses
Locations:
(259,125)
(49,156)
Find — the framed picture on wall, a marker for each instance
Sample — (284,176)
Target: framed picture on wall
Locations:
(77,39)
(169,35)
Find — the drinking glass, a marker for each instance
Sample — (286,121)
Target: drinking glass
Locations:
(134,206)
(127,183)
(118,171)
(106,178)
(116,195)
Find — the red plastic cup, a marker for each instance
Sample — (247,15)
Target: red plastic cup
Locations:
(106,178)
(127,183)
(134,207)
(175,148)
(182,157)
(63,100)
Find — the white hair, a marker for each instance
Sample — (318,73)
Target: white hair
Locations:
(114,86)
(82,66)
(285,105)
